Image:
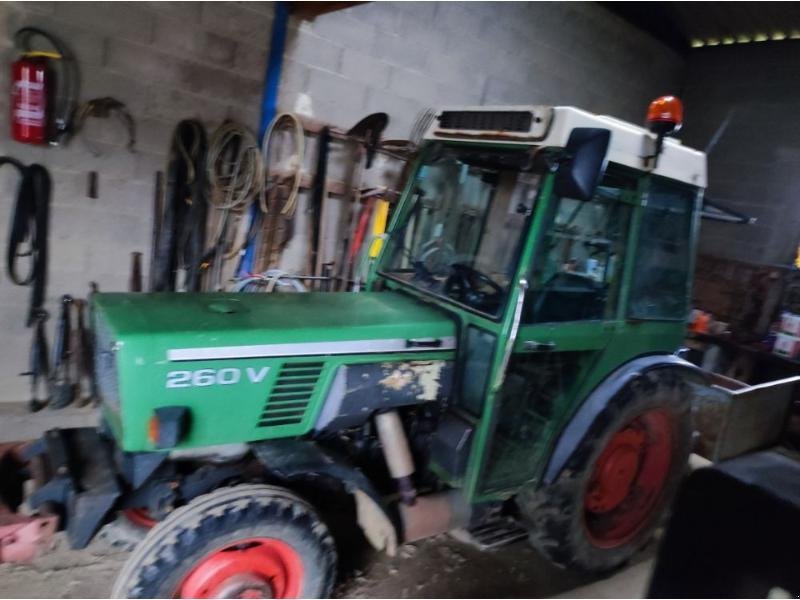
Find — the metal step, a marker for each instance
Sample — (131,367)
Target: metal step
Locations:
(492,534)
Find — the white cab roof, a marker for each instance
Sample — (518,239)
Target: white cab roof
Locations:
(552,126)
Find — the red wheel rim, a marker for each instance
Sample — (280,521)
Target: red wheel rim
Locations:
(248,568)
(628,479)
(140,517)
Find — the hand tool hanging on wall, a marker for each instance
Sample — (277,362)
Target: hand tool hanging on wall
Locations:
(28,234)
(44,90)
(135,280)
(235,177)
(181,233)
(104,108)
(366,133)
(158,211)
(62,385)
(39,363)
(318,193)
(82,356)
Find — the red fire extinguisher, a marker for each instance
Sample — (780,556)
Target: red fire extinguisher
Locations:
(31,81)
(43,89)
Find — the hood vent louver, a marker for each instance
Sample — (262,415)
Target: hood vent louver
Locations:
(291,394)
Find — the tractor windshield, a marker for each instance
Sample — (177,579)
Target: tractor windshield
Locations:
(462,235)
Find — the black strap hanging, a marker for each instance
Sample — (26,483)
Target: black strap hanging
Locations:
(181,235)
(28,233)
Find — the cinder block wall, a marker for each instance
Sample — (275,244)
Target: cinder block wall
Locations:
(173,60)
(755,166)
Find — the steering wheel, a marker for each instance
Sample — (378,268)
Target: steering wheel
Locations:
(467,285)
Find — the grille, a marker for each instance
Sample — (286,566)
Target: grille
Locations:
(487,120)
(105,363)
(291,394)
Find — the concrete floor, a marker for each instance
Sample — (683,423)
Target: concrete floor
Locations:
(436,568)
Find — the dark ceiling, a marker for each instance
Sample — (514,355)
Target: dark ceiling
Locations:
(682,25)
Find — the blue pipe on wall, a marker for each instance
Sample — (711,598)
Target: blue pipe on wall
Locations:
(272,77)
(269,108)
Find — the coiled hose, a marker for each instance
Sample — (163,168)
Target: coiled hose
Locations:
(29,225)
(295,164)
(235,176)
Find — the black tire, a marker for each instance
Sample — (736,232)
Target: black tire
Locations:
(215,521)
(556,514)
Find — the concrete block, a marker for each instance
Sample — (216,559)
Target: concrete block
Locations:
(500,91)
(237,21)
(400,51)
(172,104)
(447,95)
(468,19)
(409,84)
(153,135)
(366,69)
(218,83)
(188,13)
(383,15)
(125,20)
(329,87)
(450,70)
(343,30)
(250,61)
(193,44)
(312,50)
(141,62)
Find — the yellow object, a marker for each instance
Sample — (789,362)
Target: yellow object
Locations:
(42,54)
(379,227)
(797,259)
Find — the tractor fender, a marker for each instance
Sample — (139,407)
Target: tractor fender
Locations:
(600,398)
(293,459)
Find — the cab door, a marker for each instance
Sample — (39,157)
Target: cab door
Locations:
(576,280)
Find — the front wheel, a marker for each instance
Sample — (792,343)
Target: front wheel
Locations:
(247,541)
(608,500)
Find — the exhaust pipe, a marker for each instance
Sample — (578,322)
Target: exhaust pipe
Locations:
(397,454)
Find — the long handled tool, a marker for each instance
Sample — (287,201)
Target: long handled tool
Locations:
(39,364)
(318,193)
(181,236)
(365,134)
(62,386)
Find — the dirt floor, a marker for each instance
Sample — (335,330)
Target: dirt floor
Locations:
(438,568)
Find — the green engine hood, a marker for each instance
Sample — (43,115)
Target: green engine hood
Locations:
(247,366)
(219,319)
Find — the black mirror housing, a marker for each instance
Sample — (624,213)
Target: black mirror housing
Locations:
(585,162)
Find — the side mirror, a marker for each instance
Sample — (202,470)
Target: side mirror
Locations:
(579,173)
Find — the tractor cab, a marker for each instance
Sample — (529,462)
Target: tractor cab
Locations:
(562,245)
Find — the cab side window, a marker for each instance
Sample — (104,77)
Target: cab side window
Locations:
(579,262)
(660,285)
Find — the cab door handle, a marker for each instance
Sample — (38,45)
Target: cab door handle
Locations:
(424,343)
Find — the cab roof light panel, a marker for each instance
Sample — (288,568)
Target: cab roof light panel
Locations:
(744,38)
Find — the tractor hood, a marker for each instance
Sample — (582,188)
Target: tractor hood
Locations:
(219,325)
(247,367)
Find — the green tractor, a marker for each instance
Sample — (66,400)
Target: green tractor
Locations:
(511,360)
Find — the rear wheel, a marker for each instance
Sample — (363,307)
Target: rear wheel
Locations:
(609,499)
(249,541)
